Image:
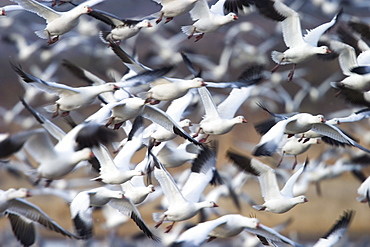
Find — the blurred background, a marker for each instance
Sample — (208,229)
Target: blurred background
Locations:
(222,56)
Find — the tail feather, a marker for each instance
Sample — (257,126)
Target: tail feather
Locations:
(278,57)
(42,34)
(188,30)
(104,36)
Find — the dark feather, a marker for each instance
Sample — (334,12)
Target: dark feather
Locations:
(83,230)
(361,70)
(23,230)
(236,5)
(266,8)
(360,27)
(143,227)
(342,223)
(242,162)
(93,135)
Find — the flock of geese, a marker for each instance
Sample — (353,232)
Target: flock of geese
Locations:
(177,110)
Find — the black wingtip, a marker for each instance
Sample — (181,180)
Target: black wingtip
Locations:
(343,222)
(242,162)
(83,231)
(32,111)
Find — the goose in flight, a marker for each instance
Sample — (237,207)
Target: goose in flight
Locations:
(22,214)
(301,48)
(70,98)
(276,201)
(207,19)
(58,23)
(81,210)
(179,207)
(227,226)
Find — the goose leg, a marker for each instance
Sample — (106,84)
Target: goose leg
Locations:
(281,159)
(295,162)
(159,18)
(56,113)
(168,19)
(291,73)
(160,222)
(168,228)
(110,120)
(199,37)
(192,33)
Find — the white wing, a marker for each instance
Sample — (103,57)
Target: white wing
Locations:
(38,8)
(291,26)
(200,10)
(231,104)
(267,179)
(347,56)
(209,104)
(312,37)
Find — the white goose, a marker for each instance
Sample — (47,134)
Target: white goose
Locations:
(70,98)
(175,110)
(58,23)
(300,48)
(300,123)
(81,210)
(352,67)
(276,201)
(207,19)
(227,226)
(179,208)
(72,147)
(110,173)
(122,29)
(213,122)
(22,214)
(173,8)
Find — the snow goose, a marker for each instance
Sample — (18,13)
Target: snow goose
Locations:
(229,225)
(276,201)
(175,110)
(300,48)
(207,19)
(213,123)
(81,210)
(58,23)
(337,231)
(174,156)
(117,113)
(72,147)
(173,90)
(354,68)
(5,9)
(122,29)
(109,172)
(142,77)
(295,147)
(22,214)
(173,8)
(298,123)
(70,98)
(179,208)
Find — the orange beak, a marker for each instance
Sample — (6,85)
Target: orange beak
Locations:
(244,120)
